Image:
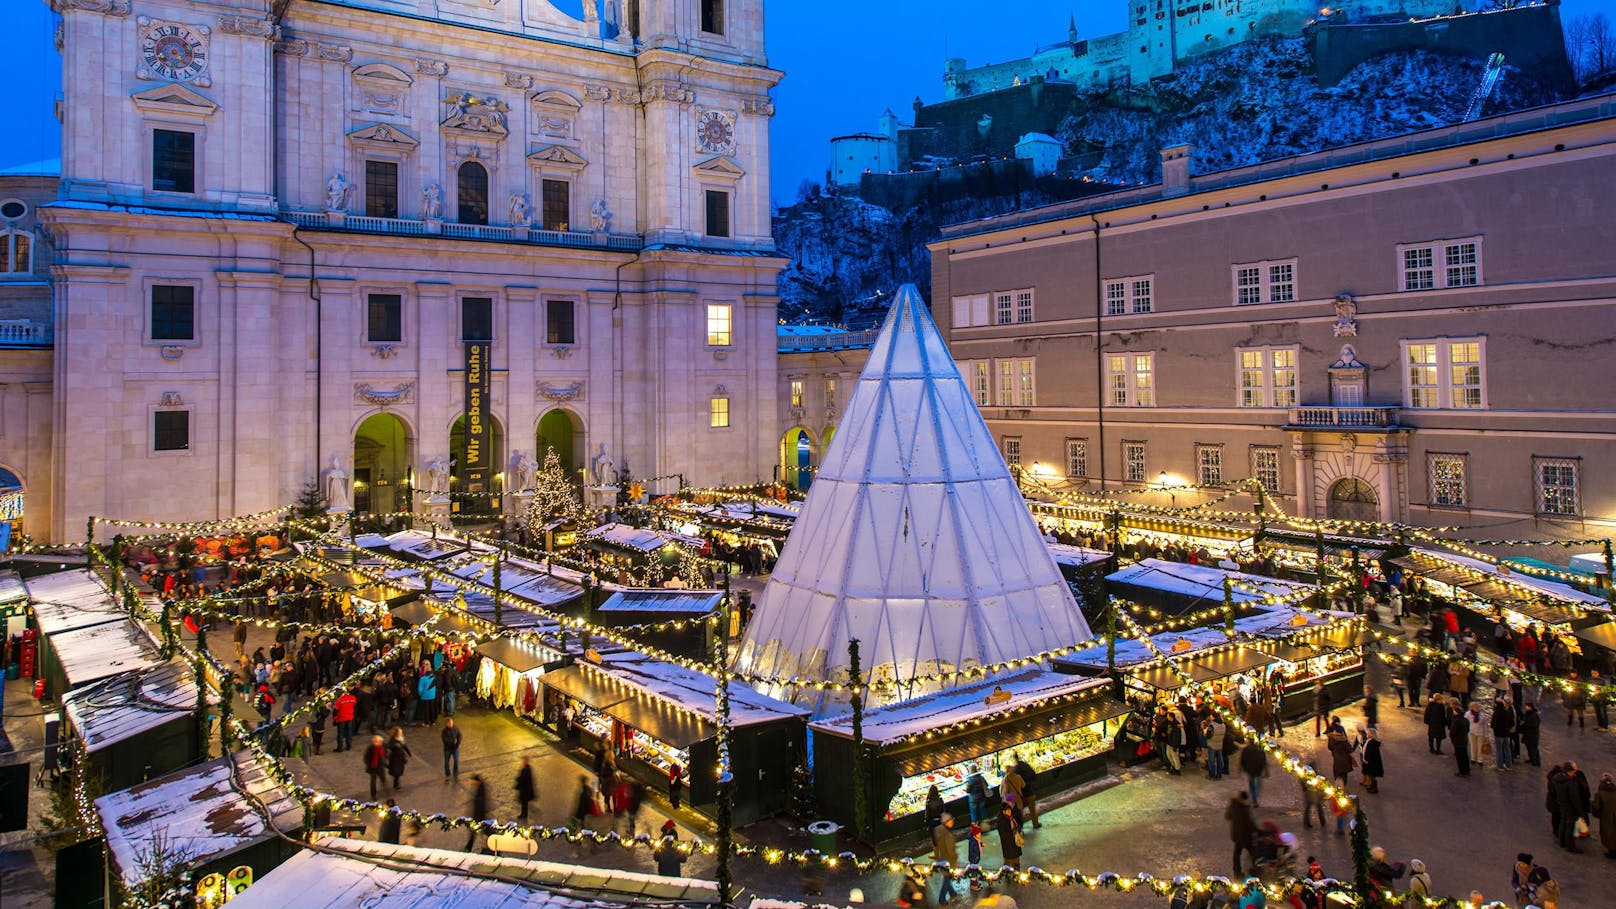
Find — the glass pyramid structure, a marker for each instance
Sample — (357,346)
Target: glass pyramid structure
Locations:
(914,539)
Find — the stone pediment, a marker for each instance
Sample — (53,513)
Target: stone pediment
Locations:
(382,135)
(174,99)
(558,156)
(385,73)
(720,166)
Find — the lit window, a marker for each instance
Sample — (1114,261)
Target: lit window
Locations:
(1556,485)
(1142,296)
(1007,382)
(719,317)
(1077,458)
(1440,264)
(16,252)
(1016,383)
(1267,377)
(1265,282)
(796,393)
(556,200)
(1131,380)
(1265,466)
(1459,360)
(1209,464)
(1447,473)
(1133,460)
(718,413)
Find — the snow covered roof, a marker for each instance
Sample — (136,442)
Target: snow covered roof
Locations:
(1540,586)
(1134,653)
(200,811)
(914,538)
(1278,623)
(698,602)
(12,589)
(1076,556)
(94,653)
(906,718)
(694,691)
(69,587)
(420,544)
(1201,581)
(374,875)
(116,709)
(67,600)
(636,538)
(524,579)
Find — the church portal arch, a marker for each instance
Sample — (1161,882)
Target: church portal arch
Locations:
(1352,499)
(562,430)
(383,455)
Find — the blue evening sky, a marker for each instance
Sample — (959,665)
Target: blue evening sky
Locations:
(845,61)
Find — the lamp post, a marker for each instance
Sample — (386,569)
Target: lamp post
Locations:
(1172,494)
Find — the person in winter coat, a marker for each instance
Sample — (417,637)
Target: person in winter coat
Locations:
(1009,836)
(342,711)
(934,807)
(1562,805)
(1383,874)
(376,763)
(1531,729)
(1502,725)
(1010,789)
(1603,809)
(584,804)
(1459,735)
(944,849)
(398,754)
(1029,788)
(1321,708)
(479,806)
(524,787)
(1216,734)
(1520,878)
(451,747)
(1459,683)
(1419,885)
(976,795)
(1340,755)
(1373,766)
(1436,723)
(391,826)
(1437,682)
(1242,828)
(1254,764)
(973,854)
(1414,677)
(1312,804)
(912,889)
(1576,703)
(670,859)
(426,689)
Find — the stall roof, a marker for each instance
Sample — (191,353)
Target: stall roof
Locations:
(200,811)
(1076,556)
(1200,581)
(419,544)
(375,875)
(1601,635)
(1548,613)
(626,537)
(680,602)
(1135,653)
(66,587)
(12,589)
(658,719)
(345,580)
(521,657)
(1235,660)
(1422,559)
(693,690)
(524,579)
(1004,735)
(371,541)
(91,654)
(595,689)
(1296,541)
(119,708)
(896,722)
(1164,678)
(415,612)
(1284,621)
(511,617)
(57,618)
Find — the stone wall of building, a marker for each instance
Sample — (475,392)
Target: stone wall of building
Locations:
(1530,37)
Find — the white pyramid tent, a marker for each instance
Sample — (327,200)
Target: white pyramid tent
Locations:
(914,537)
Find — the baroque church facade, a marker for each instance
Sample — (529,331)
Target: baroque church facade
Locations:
(373,242)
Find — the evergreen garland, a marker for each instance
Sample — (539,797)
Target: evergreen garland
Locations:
(861,769)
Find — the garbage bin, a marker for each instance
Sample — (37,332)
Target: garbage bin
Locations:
(14,671)
(822,836)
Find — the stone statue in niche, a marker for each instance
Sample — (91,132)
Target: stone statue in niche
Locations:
(336,488)
(437,476)
(432,202)
(603,469)
(600,217)
(522,471)
(520,215)
(336,192)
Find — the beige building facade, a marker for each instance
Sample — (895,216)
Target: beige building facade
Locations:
(1421,329)
(285,231)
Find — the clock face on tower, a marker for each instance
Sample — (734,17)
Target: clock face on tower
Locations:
(172,51)
(715,132)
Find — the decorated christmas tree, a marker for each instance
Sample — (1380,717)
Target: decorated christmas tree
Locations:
(688,568)
(554,498)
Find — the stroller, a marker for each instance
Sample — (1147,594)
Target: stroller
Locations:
(1275,853)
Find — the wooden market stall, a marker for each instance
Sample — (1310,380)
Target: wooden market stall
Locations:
(1064,726)
(655,606)
(1179,587)
(84,655)
(1309,648)
(656,714)
(136,725)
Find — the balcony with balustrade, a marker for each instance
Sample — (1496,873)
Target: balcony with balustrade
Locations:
(1351,419)
(25,334)
(341,222)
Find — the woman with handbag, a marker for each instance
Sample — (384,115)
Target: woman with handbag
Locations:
(1010,839)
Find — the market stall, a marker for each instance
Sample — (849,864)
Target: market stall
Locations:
(424,546)
(1064,726)
(13,604)
(545,587)
(214,814)
(510,676)
(1488,592)
(1179,587)
(1308,650)
(78,657)
(135,726)
(1597,636)
(656,714)
(666,608)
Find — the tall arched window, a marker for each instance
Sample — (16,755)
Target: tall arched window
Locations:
(471,193)
(16,252)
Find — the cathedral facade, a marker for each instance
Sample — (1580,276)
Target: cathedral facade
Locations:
(368,242)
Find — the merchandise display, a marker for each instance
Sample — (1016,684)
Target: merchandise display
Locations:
(631,741)
(1043,754)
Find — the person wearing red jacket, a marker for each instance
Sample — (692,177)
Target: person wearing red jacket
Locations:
(342,712)
(376,764)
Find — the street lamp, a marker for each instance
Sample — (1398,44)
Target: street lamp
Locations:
(1172,495)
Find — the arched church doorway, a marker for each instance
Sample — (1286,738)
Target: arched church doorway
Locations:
(563,431)
(11,506)
(1351,499)
(797,458)
(470,496)
(382,454)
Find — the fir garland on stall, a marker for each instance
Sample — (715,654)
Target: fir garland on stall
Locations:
(861,770)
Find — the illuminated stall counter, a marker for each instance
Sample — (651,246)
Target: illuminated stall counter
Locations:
(654,714)
(1063,726)
(1310,649)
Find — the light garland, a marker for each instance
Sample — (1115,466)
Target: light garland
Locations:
(194,528)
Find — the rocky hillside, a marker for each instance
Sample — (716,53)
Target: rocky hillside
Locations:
(1254,102)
